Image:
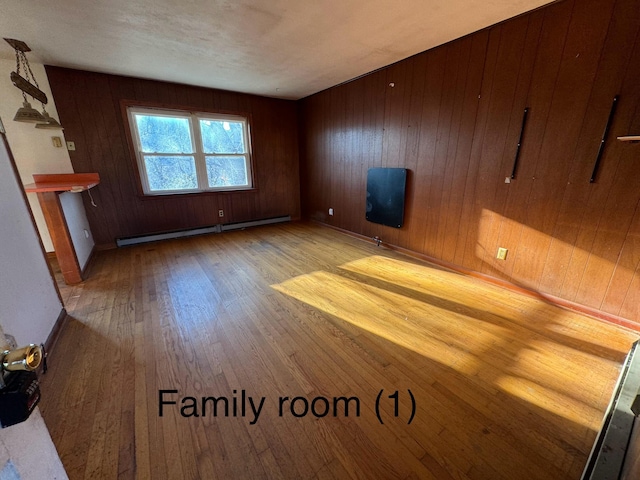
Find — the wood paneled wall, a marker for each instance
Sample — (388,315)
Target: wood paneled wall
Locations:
(453,118)
(89,105)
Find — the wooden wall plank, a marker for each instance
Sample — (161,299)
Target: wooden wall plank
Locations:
(585,38)
(499,95)
(374,91)
(423,178)
(456,226)
(355,188)
(529,241)
(461,131)
(412,146)
(444,123)
(565,237)
(613,198)
(498,138)
(339,154)
(393,140)
(613,64)
(468,241)
(620,166)
(89,105)
(514,202)
(623,292)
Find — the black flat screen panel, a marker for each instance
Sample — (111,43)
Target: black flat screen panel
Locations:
(385,196)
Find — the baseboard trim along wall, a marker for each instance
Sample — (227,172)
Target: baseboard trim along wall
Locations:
(50,342)
(122,242)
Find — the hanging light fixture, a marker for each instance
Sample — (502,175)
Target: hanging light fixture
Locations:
(27,113)
(51,123)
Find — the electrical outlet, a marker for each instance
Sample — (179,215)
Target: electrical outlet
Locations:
(221,213)
(502,253)
(331,211)
(71,146)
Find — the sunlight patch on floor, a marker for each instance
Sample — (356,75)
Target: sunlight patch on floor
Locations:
(444,336)
(548,399)
(461,327)
(469,296)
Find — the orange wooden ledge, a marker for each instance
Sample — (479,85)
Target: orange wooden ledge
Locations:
(62,182)
(48,187)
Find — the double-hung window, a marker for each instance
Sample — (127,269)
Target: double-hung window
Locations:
(186,152)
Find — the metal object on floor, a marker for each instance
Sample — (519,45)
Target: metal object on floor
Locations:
(608,458)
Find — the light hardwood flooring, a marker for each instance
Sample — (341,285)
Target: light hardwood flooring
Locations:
(505,386)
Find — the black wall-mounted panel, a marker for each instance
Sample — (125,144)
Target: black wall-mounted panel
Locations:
(385,196)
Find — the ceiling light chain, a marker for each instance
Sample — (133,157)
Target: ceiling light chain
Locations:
(30,76)
(18,63)
(26,113)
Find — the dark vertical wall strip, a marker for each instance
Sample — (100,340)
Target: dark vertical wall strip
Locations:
(453,117)
(89,105)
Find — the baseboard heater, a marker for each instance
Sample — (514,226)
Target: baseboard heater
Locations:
(615,453)
(154,237)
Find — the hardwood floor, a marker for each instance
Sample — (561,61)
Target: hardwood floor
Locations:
(505,386)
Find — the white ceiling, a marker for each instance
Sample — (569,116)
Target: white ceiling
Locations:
(278,48)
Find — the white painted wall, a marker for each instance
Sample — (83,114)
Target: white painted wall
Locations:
(34,152)
(29,307)
(74,212)
(29,302)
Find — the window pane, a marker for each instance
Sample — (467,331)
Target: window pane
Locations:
(171,173)
(222,136)
(226,171)
(164,134)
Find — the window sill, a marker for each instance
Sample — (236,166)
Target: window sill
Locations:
(207,193)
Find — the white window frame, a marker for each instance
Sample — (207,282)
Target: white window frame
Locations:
(198,153)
